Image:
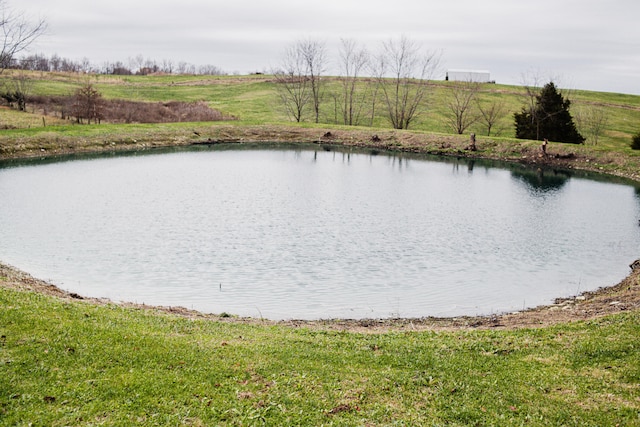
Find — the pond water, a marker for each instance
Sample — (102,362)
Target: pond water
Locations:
(284,233)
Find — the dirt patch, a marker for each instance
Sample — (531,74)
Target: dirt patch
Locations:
(625,296)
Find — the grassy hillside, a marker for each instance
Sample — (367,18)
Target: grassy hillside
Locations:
(253,100)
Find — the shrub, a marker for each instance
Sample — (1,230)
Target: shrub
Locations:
(125,111)
(14,97)
(635,141)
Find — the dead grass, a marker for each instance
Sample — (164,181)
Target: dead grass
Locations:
(126,111)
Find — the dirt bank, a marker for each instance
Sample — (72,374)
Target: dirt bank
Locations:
(624,296)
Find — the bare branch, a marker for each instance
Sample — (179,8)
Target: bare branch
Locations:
(313,53)
(402,71)
(460,105)
(292,83)
(491,114)
(591,121)
(353,61)
(17,34)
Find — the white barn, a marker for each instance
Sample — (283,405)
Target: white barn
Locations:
(480,76)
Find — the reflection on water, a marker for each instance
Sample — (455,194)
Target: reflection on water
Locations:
(541,181)
(298,233)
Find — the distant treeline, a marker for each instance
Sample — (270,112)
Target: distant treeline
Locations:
(134,66)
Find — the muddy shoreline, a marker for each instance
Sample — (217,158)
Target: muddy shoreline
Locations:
(620,297)
(558,156)
(624,296)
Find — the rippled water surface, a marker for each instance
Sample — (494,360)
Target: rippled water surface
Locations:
(284,233)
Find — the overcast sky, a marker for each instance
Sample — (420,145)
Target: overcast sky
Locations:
(581,44)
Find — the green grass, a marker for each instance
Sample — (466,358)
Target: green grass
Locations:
(71,363)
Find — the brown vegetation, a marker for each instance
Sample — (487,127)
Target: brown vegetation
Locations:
(124,111)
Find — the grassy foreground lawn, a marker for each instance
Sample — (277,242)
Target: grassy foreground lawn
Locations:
(73,363)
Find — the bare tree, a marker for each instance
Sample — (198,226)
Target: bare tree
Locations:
(353,61)
(54,62)
(167,66)
(136,63)
(292,83)
(85,65)
(87,104)
(591,122)
(118,68)
(491,113)
(461,105)
(402,71)
(313,53)
(185,68)
(18,89)
(211,70)
(37,62)
(17,33)
(69,66)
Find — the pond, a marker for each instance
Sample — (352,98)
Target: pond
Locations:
(309,233)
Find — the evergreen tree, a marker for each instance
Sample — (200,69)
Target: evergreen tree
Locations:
(549,119)
(635,141)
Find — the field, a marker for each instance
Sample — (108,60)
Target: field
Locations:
(253,100)
(65,360)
